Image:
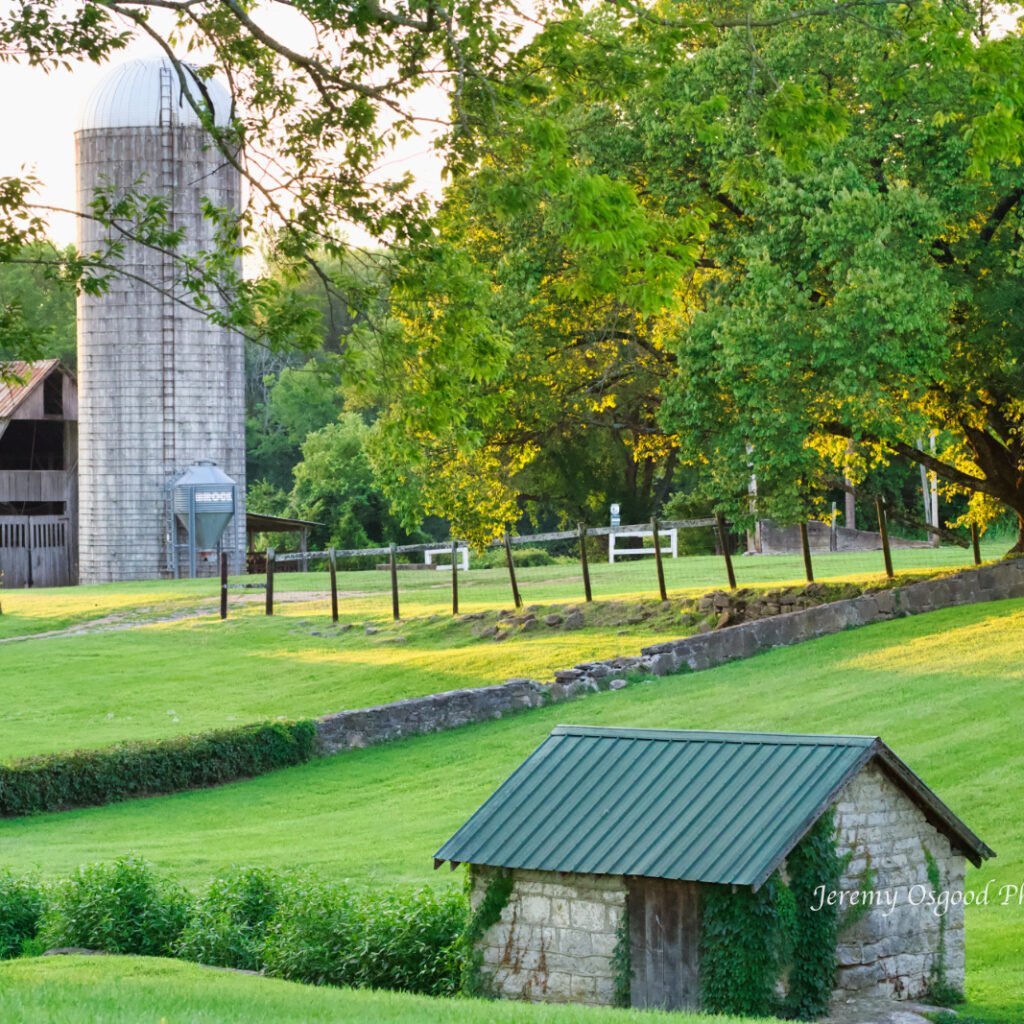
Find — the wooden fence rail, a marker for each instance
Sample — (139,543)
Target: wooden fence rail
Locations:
(529,538)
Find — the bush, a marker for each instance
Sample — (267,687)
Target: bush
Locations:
(229,925)
(89,777)
(524,558)
(120,908)
(408,941)
(21,909)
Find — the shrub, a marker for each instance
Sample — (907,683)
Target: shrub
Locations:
(21,909)
(403,940)
(229,925)
(524,558)
(120,908)
(90,777)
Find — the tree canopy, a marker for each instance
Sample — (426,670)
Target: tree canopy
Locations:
(810,215)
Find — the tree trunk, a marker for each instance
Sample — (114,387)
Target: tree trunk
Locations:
(1018,548)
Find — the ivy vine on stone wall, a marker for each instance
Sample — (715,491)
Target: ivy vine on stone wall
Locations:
(488,913)
(756,944)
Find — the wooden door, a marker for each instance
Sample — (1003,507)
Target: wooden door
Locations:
(14,551)
(664,939)
(51,553)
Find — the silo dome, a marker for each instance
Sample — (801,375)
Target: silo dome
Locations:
(145,93)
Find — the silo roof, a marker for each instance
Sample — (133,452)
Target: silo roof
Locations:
(147,93)
(719,807)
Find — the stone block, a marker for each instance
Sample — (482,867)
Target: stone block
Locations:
(588,916)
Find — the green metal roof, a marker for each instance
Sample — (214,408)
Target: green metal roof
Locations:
(722,807)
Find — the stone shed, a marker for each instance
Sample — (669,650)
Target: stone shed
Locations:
(609,843)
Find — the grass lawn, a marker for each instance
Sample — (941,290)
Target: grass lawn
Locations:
(142,990)
(942,689)
(199,673)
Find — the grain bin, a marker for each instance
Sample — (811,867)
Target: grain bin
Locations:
(202,504)
(161,386)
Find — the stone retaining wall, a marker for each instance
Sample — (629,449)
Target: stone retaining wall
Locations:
(556,937)
(350,729)
(891,951)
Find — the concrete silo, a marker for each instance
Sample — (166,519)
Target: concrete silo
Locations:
(160,386)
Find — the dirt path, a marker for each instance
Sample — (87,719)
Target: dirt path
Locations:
(119,622)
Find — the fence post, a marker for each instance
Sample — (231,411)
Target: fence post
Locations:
(723,539)
(394,583)
(584,565)
(975,544)
(805,544)
(455,577)
(512,571)
(223,584)
(657,560)
(332,565)
(883,529)
(271,556)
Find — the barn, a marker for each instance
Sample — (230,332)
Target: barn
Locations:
(38,475)
(612,845)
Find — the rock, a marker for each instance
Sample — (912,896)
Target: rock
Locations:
(568,675)
(315,632)
(533,608)
(574,620)
(506,614)
(725,619)
(371,630)
(617,684)
(472,617)
(500,634)
(488,631)
(529,623)
(705,603)
(552,620)
(704,627)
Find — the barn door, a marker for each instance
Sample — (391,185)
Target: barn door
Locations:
(51,556)
(664,938)
(14,560)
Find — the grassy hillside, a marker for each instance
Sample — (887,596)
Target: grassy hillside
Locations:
(198,673)
(131,990)
(367,595)
(942,689)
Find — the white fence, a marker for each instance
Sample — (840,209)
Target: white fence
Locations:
(614,551)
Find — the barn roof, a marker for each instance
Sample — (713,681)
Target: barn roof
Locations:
(722,807)
(30,376)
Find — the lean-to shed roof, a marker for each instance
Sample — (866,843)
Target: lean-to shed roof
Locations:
(721,807)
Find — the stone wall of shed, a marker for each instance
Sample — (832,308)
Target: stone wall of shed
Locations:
(892,951)
(556,937)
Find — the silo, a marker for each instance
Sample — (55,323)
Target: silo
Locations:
(160,386)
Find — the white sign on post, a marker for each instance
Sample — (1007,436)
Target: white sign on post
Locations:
(616,520)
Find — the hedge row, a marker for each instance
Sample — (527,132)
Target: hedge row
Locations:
(286,926)
(87,778)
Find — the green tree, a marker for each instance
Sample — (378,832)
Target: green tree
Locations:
(335,485)
(39,306)
(813,209)
(862,285)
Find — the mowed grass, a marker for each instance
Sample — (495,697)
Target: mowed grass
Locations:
(27,612)
(141,990)
(198,673)
(367,593)
(944,690)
